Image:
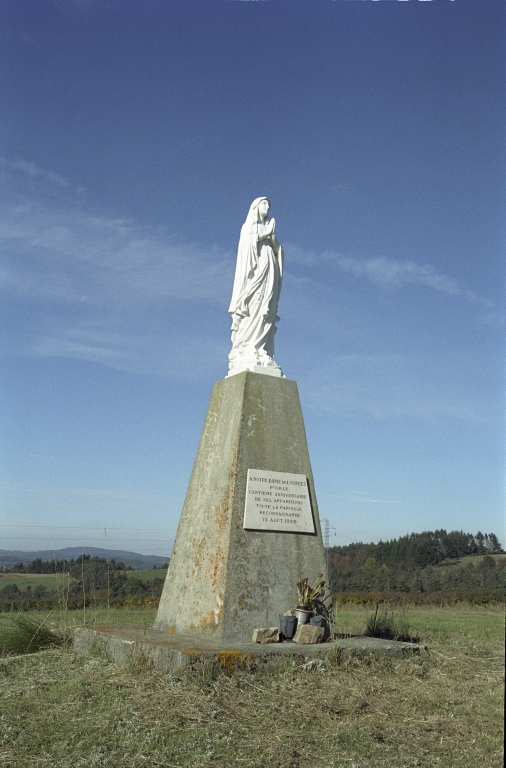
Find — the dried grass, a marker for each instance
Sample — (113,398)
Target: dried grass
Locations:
(442,709)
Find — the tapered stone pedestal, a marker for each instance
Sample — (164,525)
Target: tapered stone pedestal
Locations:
(224,581)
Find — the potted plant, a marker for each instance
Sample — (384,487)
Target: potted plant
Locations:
(308,598)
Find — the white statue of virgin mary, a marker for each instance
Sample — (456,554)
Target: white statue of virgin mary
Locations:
(257,285)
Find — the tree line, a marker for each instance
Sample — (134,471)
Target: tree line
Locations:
(420,562)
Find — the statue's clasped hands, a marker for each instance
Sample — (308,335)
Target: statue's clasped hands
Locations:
(269,232)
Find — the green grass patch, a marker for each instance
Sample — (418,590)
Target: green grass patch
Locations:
(475,622)
(22,634)
(118,617)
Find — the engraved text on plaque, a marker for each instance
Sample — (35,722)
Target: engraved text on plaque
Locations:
(278,501)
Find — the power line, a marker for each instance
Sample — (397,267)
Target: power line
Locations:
(81,527)
(37,538)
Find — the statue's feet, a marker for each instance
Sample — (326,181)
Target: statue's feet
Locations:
(267,362)
(254,363)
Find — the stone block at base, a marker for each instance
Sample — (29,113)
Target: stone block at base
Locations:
(172,653)
(306,634)
(265,635)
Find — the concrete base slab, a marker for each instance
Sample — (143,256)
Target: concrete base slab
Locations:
(172,652)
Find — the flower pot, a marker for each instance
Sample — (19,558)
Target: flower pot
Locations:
(287,625)
(302,615)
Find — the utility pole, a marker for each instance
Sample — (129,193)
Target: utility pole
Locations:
(326,542)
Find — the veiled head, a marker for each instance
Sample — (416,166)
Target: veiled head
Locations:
(254,210)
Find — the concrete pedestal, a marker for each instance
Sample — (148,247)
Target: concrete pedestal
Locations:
(176,653)
(223,581)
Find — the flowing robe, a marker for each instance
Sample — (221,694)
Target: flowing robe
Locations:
(255,297)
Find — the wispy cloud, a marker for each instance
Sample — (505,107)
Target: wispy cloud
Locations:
(127,296)
(101,288)
(180,354)
(67,254)
(32,170)
(365,499)
(399,386)
(393,274)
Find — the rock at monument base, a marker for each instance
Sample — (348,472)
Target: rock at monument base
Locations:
(307,634)
(266,635)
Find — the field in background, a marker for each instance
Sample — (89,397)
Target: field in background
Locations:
(156,573)
(91,617)
(433,623)
(24,580)
(56,581)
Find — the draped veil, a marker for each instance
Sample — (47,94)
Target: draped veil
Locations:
(255,295)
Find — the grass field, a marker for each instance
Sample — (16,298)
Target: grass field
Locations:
(443,709)
(24,580)
(434,623)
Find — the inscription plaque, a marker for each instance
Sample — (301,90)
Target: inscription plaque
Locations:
(277,501)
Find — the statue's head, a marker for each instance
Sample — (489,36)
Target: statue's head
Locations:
(263,208)
(259,209)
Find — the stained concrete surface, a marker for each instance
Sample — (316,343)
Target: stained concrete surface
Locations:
(173,652)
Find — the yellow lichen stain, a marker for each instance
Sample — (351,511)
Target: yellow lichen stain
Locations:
(171,630)
(195,650)
(239,603)
(229,660)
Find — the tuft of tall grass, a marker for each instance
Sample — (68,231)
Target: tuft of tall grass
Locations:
(389,627)
(22,634)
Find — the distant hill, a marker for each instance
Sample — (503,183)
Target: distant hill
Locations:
(135,559)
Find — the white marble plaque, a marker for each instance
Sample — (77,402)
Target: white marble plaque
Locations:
(277,501)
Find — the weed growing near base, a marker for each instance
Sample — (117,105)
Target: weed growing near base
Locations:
(389,626)
(441,709)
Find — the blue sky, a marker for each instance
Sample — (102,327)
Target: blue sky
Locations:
(133,138)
